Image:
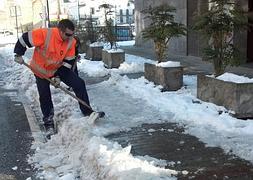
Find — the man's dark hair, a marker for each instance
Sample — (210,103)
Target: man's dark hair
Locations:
(66,23)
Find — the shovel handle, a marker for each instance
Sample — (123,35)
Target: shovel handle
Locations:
(59,86)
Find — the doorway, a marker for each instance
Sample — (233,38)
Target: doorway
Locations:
(250,35)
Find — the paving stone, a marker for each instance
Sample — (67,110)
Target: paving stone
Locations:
(169,142)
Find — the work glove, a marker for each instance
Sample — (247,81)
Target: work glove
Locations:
(19,59)
(57,81)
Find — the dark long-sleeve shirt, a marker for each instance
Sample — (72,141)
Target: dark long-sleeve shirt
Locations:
(22,43)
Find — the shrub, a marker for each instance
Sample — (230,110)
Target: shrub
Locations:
(219,24)
(162,28)
(108,31)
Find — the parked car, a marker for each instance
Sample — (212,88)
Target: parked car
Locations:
(6,32)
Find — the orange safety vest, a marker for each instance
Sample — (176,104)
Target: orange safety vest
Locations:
(50,50)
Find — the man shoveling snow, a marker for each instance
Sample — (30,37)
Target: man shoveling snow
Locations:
(54,48)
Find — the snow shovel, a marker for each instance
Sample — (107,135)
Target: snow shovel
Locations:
(94,115)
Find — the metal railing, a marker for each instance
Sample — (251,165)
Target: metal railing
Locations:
(123,33)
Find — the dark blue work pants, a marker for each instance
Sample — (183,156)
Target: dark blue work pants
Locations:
(70,79)
(73,63)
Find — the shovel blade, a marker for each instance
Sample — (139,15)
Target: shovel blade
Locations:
(95,116)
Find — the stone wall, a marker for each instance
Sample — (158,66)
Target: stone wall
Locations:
(176,45)
(170,78)
(113,59)
(234,96)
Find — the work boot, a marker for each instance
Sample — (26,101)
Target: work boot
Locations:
(49,125)
(49,131)
(101,114)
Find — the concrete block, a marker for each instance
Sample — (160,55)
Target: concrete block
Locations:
(94,53)
(170,78)
(237,97)
(113,59)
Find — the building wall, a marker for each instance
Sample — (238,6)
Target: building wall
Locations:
(3,20)
(89,8)
(39,14)
(250,34)
(10,22)
(195,42)
(23,17)
(176,45)
(124,17)
(240,39)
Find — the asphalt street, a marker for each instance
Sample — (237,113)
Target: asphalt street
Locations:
(15,138)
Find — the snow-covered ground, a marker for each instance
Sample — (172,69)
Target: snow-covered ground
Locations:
(80,151)
(10,39)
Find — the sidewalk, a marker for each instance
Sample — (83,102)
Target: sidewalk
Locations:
(192,65)
(166,141)
(175,145)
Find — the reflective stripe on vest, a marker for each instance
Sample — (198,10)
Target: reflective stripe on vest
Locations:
(30,38)
(68,47)
(49,32)
(67,65)
(70,43)
(47,45)
(22,42)
(39,70)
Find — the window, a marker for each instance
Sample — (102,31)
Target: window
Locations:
(121,16)
(92,10)
(127,16)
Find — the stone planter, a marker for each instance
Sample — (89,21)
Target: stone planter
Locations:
(113,59)
(237,97)
(94,53)
(171,78)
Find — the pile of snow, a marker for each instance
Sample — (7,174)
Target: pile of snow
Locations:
(168,64)
(8,39)
(97,44)
(115,50)
(230,77)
